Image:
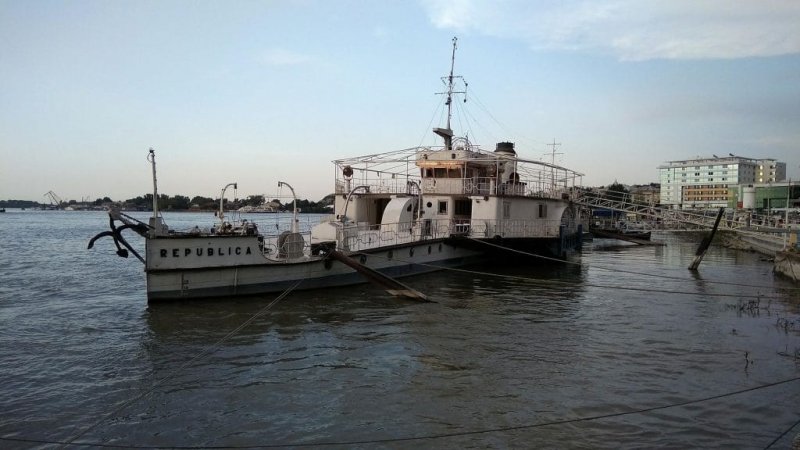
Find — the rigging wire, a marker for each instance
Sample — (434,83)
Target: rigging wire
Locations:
(459,115)
(501,125)
(483,128)
(208,351)
(438,435)
(439,106)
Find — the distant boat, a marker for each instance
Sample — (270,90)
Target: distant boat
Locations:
(258,209)
(621,234)
(2,210)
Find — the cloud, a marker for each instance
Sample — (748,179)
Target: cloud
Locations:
(282,57)
(633,29)
(457,14)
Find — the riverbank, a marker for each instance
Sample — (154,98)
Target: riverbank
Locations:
(786,262)
(788,265)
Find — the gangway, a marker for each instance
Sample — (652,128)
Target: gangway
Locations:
(667,218)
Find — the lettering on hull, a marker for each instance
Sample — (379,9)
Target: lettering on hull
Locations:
(204,251)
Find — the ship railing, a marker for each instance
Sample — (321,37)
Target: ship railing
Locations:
(379,184)
(483,186)
(355,238)
(278,248)
(518,228)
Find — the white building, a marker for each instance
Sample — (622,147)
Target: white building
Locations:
(706,182)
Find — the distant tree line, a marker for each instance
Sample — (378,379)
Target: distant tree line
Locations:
(182,203)
(19,204)
(200,203)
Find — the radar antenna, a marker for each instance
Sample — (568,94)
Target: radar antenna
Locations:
(553,154)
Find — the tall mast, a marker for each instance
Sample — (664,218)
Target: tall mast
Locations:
(449,101)
(152,158)
(447,133)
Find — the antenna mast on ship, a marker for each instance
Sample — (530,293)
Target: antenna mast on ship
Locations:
(447,133)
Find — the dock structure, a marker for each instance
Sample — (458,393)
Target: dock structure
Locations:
(674,217)
(749,228)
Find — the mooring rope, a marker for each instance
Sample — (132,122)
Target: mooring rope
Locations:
(208,351)
(545,283)
(439,435)
(632,272)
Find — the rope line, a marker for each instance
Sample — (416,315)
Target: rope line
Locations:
(545,283)
(439,435)
(208,351)
(632,272)
(782,435)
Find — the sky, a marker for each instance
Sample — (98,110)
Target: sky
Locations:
(257,92)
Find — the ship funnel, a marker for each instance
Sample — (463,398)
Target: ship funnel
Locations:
(505,147)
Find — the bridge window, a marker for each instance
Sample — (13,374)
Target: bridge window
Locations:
(442,206)
(542,211)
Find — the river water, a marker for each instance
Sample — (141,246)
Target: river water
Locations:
(549,356)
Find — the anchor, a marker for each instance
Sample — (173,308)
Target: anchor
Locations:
(116,234)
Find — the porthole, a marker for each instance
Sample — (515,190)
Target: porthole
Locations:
(430,205)
(411,252)
(363,259)
(390,254)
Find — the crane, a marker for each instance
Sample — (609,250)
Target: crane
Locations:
(55,200)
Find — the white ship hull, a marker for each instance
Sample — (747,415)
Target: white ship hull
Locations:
(231,275)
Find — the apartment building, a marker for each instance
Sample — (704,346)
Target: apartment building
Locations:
(711,182)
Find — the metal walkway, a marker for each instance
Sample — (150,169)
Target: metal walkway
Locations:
(673,218)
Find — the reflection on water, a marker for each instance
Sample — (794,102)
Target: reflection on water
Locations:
(355,364)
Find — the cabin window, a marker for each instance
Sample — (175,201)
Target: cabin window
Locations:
(506,210)
(463,207)
(454,173)
(542,211)
(442,206)
(439,172)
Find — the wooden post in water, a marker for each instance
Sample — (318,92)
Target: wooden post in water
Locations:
(701,251)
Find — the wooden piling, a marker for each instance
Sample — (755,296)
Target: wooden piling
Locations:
(701,250)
